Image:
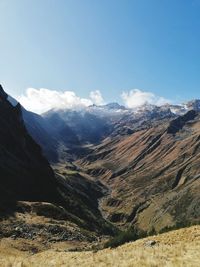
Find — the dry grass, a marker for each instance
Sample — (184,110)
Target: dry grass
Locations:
(177,248)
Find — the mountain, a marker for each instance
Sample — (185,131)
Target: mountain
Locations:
(194,104)
(152,174)
(42,133)
(64,135)
(26,178)
(183,108)
(114,171)
(111,168)
(114,106)
(24,171)
(78,128)
(147,158)
(86,125)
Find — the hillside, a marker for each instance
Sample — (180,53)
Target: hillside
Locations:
(131,167)
(24,172)
(27,177)
(141,172)
(175,248)
(152,175)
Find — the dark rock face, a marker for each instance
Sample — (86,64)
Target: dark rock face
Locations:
(177,124)
(24,173)
(3,95)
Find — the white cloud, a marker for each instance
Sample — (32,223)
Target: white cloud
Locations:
(41,100)
(96,97)
(136,97)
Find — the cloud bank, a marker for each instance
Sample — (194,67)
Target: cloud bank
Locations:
(42,100)
(96,97)
(136,97)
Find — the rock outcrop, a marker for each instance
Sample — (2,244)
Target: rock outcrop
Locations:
(24,173)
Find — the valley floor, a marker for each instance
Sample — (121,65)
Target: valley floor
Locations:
(176,248)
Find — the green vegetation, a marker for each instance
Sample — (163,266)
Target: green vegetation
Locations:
(179,225)
(132,234)
(122,237)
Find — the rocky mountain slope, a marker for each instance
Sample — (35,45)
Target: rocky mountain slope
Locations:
(25,175)
(112,168)
(64,134)
(147,158)
(152,174)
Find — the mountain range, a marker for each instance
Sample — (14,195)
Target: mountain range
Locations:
(74,128)
(103,168)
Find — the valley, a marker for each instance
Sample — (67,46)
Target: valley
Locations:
(147,171)
(71,180)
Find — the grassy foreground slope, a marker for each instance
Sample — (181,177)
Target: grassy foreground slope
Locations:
(175,248)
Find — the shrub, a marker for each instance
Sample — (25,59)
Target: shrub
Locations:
(122,237)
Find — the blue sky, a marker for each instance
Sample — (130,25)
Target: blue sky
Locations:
(107,45)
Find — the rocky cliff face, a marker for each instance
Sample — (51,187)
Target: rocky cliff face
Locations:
(24,173)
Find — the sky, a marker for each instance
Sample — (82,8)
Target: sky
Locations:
(129,51)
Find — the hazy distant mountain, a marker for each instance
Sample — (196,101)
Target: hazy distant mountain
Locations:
(87,126)
(94,123)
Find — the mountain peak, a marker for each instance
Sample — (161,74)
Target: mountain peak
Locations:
(114,105)
(109,106)
(3,95)
(193,104)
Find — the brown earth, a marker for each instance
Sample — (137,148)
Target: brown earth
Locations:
(37,226)
(175,248)
(152,175)
(147,177)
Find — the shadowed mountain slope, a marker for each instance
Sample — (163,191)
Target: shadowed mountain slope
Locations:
(42,133)
(24,172)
